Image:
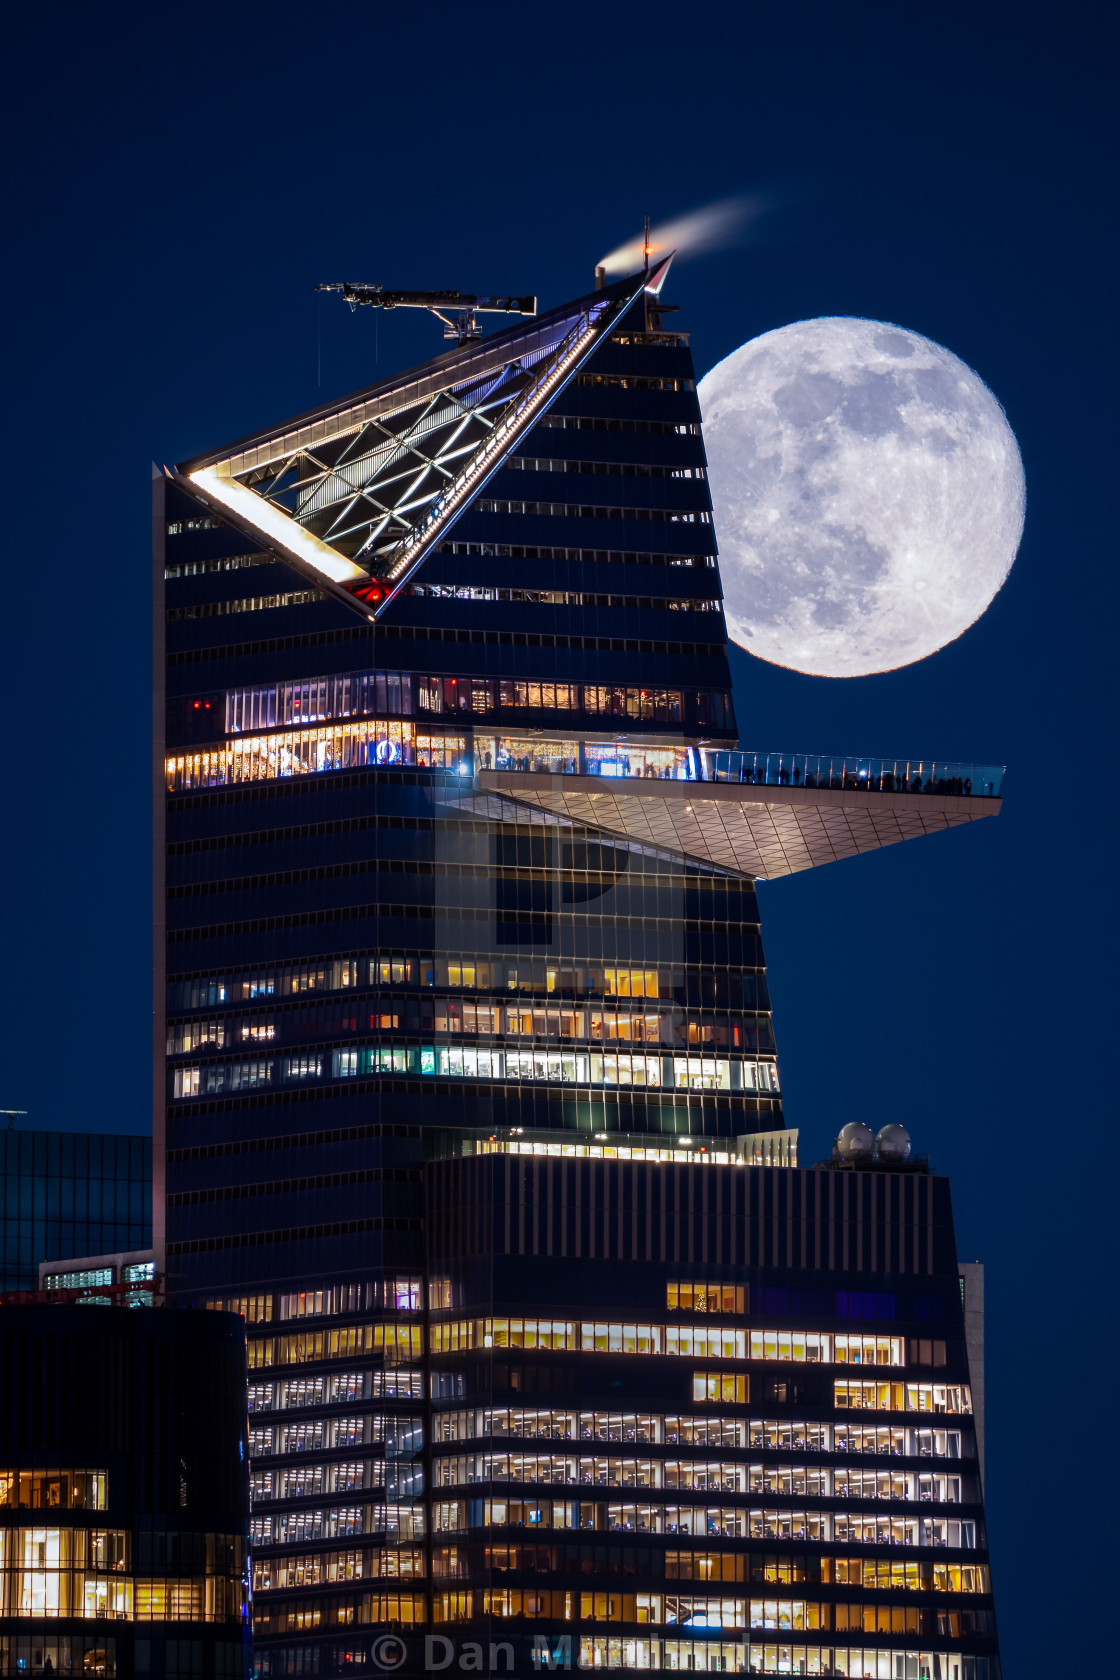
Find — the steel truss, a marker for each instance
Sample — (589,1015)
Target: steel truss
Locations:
(361,494)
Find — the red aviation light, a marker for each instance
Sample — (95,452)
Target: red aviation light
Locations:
(370,591)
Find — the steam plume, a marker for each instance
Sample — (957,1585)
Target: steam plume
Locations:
(712,228)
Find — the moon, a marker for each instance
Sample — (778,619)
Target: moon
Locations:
(868,495)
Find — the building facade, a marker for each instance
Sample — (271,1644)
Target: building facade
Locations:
(393,976)
(67,1193)
(123,1496)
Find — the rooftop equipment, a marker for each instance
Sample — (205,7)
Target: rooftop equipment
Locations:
(458,311)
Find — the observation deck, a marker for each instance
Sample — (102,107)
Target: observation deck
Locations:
(759,814)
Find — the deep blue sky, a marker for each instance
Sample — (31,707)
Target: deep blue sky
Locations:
(175,183)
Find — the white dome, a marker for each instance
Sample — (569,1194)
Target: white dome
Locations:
(855,1141)
(893,1142)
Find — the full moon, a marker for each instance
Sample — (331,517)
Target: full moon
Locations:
(868,495)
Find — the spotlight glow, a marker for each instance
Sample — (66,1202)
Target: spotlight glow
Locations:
(274,524)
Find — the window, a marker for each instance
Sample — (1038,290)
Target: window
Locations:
(247,603)
(706,1297)
(602,1650)
(195,1035)
(601,469)
(902,1397)
(59,1490)
(634,382)
(475,695)
(305,1346)
(598,423)
(94,1278)
(705,1566)
(315,1303)
(397,1609)
(812,1347)
(451,1607)
(505,1601)
(204,522)
(594,556)
(863,1659)
(785,1615)
(254,1309)
(202,568)
(555,1066)
(790,1437)
(333,1522)
(710,1073)
(315,699)
(868,1350)
(257,1032)
(577,510)
(721,1385)
(631,982)
(311,751)
(589,1337)
(923,1352)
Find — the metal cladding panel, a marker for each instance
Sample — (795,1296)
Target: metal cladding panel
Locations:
(763,832)
(805,1219)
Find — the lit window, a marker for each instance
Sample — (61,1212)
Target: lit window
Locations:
(721,1385)
(706,1297)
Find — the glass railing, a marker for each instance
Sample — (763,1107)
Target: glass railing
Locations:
(854,774)
(618,759)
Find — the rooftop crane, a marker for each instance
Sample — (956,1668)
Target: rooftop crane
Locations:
(462,308)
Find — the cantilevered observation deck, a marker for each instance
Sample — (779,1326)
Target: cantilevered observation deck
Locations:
(763,815)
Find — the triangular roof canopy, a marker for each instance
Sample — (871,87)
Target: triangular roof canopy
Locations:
(356,495)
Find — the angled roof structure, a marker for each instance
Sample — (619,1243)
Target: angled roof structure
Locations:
(356,495)
(753,830)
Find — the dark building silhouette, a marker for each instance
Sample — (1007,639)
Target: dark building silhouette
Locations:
(467,1091)
(67,1193)
(123,1495)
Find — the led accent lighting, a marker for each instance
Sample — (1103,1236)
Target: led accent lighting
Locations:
(293,541)
(491,452)
(276,526)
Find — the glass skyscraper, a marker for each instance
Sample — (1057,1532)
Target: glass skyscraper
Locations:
(67,1193)
(468,1094)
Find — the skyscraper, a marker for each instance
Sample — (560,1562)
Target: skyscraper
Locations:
(468,1049)
(67,1193)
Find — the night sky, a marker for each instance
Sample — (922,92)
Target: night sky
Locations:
(176,182)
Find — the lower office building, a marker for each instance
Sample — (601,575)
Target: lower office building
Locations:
(637,1408)
(123,1498)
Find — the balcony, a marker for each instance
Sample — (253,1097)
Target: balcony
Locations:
(854,774)
(757,814)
